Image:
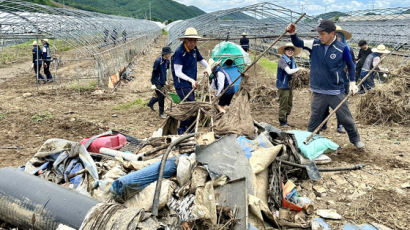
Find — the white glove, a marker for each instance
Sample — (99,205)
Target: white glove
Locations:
(194,83)
(385,75)
(353,88)
(153,87)
(208,70)
(32,65)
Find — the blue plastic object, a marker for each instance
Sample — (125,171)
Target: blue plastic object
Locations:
(248,146)
(316,147)
(319,223)
(127,186)
(233,74)
(77,179)
(352,226)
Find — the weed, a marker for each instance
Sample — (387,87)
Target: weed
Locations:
(268,65)
(164,32)
(139,102)
(84,87)
(39,117)
(3,115)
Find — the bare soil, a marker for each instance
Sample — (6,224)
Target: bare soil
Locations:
(377,193)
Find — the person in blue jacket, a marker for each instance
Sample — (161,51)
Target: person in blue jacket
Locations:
(220,80)
(286,68)
(372,60)
(47,59)
(184,70)
(37,61)
(328,58)
(244,42)
(159,79)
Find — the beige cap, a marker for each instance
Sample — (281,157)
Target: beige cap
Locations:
(190,32)
(281,49)
(380,49)
(344,32)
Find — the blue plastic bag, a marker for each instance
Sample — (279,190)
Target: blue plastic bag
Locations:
(316,147)
(127,186)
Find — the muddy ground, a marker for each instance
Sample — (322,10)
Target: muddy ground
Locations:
(377,194)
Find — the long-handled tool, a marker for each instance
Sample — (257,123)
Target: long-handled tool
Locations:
(255,61)
(347,97)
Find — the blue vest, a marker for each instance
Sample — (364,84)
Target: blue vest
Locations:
(283,78)
(46,52)
(188,60)
(159,72)
(37,55)
(326,70)
(227,81)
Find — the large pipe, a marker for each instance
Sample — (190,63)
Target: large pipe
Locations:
(30,202)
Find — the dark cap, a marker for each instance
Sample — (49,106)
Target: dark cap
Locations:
(166,50)
(327,26)
(362,43)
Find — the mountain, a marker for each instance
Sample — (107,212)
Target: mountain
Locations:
(161,10)
(331,15)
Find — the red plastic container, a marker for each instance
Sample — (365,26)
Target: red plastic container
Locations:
(110,141)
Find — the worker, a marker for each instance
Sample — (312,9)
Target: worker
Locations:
(47,59)
(286,67)
(244,42)
(361,57)
(124,36)
(114,36)
(328,58)
(372,60)
(184,70)
(159,79)
(37,61)
(220,80)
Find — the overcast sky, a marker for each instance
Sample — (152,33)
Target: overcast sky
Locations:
(312,7)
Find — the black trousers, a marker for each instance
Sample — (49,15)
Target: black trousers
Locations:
(47,70)
(160,99)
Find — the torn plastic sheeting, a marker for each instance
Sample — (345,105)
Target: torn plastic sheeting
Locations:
(225,157)
(127,186)
(77,179)
(316,147)
(351,226)
(185,164)
(144,198)
(262,157)
(248,146)
(69,168)
(205,203)
(88,162)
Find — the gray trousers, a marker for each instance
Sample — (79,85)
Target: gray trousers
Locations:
(319,106)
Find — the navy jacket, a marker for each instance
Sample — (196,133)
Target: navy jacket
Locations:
(46,53)
(226,82)
(244,42)
(283,78)
(37,55)
(159,71)
(327,69)
(188,60)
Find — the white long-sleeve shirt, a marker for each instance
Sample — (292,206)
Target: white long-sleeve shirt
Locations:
(180,74)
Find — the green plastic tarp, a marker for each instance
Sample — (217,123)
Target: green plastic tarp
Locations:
(229,50)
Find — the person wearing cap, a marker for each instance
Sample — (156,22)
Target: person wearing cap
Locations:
(37,61)
(244,42)
(372,60)
(47,59)
(286,68)
(361,57)
(159,79)
(184,69)
(328,58)
(220,80)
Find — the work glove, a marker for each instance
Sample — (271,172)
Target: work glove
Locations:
(353,88)
(153,87)
(32,66)
(291,29)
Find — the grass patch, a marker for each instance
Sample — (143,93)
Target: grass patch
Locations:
(84,87)
(139,102)
(3,115)
(164,32)
(268,65)
(39,117)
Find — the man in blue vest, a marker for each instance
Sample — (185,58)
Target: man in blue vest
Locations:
(37,56)
(286,68)
(47,59)
(244,42)
(220,80)
(184,70)
(328,59)
(372,60)
(159,79)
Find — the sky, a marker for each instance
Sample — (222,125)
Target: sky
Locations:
(312,7)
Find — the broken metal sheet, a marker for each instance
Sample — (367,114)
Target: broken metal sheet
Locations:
(225,157)
(234,195)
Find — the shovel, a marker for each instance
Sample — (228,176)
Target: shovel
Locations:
(311,168)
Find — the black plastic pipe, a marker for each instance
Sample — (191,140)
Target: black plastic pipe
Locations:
(29,202)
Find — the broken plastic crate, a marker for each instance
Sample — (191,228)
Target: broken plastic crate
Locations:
(116,141)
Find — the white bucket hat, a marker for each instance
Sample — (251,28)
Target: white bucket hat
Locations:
(45,40)
(244,34)
(380,49)
(281,49)
(344,32)
(35,43)
(190,32)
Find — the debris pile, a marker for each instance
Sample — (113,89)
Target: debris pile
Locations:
(263,95)
(300,79)
(387,103)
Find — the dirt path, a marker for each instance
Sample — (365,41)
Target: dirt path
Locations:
(376,194)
